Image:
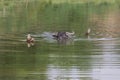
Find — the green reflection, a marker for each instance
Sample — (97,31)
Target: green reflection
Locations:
(39,16)
(18,62)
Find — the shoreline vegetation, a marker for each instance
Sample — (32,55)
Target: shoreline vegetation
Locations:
(52,15)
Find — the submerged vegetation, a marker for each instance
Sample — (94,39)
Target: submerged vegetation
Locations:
(51,15)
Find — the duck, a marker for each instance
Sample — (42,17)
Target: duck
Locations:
(30,40)
(88,32)
(63,35)
(60,35)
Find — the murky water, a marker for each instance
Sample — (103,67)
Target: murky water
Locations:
(95,57)
(81,59)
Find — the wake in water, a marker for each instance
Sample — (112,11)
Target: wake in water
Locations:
(59,37)
(64,37)
(49,37)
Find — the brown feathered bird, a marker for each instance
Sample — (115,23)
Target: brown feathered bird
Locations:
(30,40)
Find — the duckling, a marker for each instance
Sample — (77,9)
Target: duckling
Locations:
(30,40)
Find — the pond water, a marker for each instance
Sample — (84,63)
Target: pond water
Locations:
(95,57)
(82,59)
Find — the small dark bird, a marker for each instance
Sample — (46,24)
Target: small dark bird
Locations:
(63,35)
(60,35)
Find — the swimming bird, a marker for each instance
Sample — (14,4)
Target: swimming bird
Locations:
(63,35)
(60,35)
(30,40)
(88,32)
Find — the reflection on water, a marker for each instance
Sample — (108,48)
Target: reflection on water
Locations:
(57,73)
(107,26)
(109,68)
(94,57)
(104,65)
(86,59)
